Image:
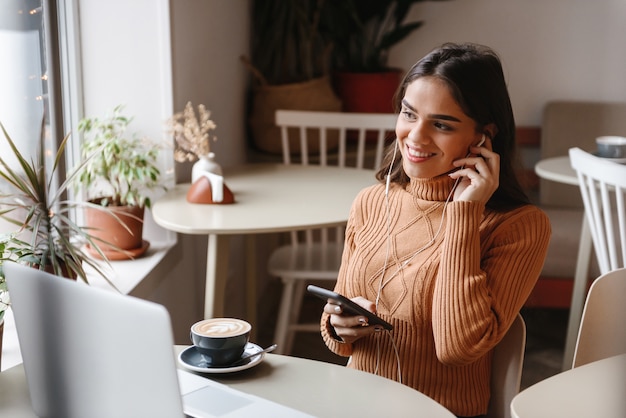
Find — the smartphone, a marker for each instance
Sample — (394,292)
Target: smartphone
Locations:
(347,305)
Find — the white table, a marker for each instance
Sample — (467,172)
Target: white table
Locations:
(317,388)
(268,198)
(560,170)
(596,389)
(557,169)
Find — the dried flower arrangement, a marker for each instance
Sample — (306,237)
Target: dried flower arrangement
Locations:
(192,136)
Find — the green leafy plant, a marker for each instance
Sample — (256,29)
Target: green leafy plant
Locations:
(298,40)
(366,30)
(118,170)
(46,235)
(290,42)
(5,301)
(11,249)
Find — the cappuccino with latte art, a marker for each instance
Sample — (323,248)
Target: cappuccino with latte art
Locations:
(221,341)
(221,327)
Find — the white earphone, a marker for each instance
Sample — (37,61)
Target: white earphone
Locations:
(482,140)
(395,150)
(388,180)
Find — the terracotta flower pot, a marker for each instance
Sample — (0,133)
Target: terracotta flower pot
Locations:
(119,231)
(367,92)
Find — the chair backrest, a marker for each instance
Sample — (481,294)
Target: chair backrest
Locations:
(603,190)
(569,124)
(338,131)
(602,330)
(506,369)
(335,128)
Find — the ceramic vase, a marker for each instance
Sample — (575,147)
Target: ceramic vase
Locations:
(205,164)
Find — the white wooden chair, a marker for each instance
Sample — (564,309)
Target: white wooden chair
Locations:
(603,189)
(568,124)
(316,255)
(506,371)
(602,331)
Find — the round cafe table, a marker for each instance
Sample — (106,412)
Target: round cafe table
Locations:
(314,387)
(595,389)
(268,198)
(330,390)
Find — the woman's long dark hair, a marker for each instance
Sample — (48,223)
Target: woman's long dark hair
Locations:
(474,75)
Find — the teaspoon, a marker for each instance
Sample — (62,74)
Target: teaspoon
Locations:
(249,356)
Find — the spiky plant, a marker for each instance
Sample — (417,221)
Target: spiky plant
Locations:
(46,235)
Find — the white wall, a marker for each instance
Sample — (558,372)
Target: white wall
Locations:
(154,56)
(208,36)
(551,49)
(125,49)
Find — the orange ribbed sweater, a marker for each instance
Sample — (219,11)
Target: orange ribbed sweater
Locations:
(453,301)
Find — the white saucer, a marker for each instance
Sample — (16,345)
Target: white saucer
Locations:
(191,359)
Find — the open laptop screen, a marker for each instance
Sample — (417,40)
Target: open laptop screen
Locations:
(91,353)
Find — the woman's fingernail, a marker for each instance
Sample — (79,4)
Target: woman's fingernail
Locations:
(378,329)
(363,322)
(338,309)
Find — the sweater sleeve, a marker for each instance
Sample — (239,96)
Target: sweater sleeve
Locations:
(488,269)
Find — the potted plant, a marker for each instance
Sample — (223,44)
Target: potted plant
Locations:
(4,292)
(290,64)
(117,175)
(4,301)
(362,37)
(46,236)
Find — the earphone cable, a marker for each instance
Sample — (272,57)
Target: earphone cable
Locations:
(382,282)
(420,250)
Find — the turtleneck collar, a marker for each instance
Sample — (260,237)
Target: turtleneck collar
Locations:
(433,189)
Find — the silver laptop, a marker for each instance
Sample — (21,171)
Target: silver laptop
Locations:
(89,352)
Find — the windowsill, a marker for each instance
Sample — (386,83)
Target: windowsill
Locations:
(130,276)
(127,275)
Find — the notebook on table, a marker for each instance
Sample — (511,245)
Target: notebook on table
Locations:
(89,352)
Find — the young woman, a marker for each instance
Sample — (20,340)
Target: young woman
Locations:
(447,247)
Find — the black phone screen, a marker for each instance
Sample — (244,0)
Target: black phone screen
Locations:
(348,306)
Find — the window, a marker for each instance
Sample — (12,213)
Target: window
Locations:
(62,69)
(24,74)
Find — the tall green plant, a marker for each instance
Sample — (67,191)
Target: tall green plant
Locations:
(46,235)
(366,30)
(297,40)
(289,43)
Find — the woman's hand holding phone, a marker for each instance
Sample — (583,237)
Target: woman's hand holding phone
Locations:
(349,326)
(351,318)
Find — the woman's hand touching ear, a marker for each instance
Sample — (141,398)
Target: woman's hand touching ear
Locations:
(479,174)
